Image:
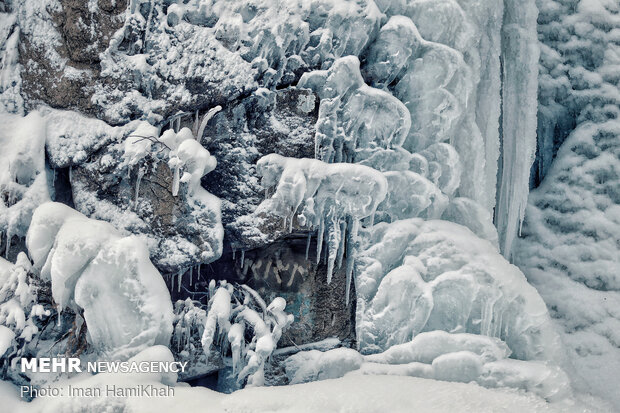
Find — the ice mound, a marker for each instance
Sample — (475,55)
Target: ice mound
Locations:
(23,178)
(313,365)
(437,355)
(92,267)
(414,276)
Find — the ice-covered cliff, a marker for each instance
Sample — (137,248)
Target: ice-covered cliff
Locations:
(364,165)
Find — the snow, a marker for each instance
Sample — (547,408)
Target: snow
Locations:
(23,177)
(6,339)
(569,252)
(91,266)
(569,249)
(313,365)
(441,356)
(363,394)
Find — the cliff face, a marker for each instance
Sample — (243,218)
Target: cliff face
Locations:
(293,147)
(380,87)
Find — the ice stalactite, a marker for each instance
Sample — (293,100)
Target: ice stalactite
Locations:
(138,181)
(520,52)
(203,124)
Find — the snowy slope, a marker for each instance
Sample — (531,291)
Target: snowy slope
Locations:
(570,249)
(360,394)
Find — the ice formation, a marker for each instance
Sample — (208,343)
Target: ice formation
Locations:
(354,118)
(23,177)
(437,355)
(228,322)
(125,302)
(520,51)
(414,276)
(316,195)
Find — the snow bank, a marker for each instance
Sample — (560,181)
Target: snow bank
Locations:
(569,252)
(125,301)
(437,355)
(363,394)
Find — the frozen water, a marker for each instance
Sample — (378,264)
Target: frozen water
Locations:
(437,355)
(23,177)
(520,53)
(125,301)
(353,117)
(414,276)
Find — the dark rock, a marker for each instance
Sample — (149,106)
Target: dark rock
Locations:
(267,122)
(179,235)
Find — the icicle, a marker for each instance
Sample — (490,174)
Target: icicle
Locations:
(343,231)
(242,257)
(308,244)
(290,225)
(319,241)
(195,127)
(191,275)
(210,113)
(59,321)
(175,181)
(234,254)
(351,240)
(138,181)
(333,241)
(179,281)
(8,241)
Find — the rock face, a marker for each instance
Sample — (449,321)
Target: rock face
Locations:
(279,122)
(118,62)
(139,200)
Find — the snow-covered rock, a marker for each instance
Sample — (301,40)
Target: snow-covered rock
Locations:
(92,267)
(23,176)
(149,185)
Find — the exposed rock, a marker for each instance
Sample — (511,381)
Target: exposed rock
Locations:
(178,235)
(279,122)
